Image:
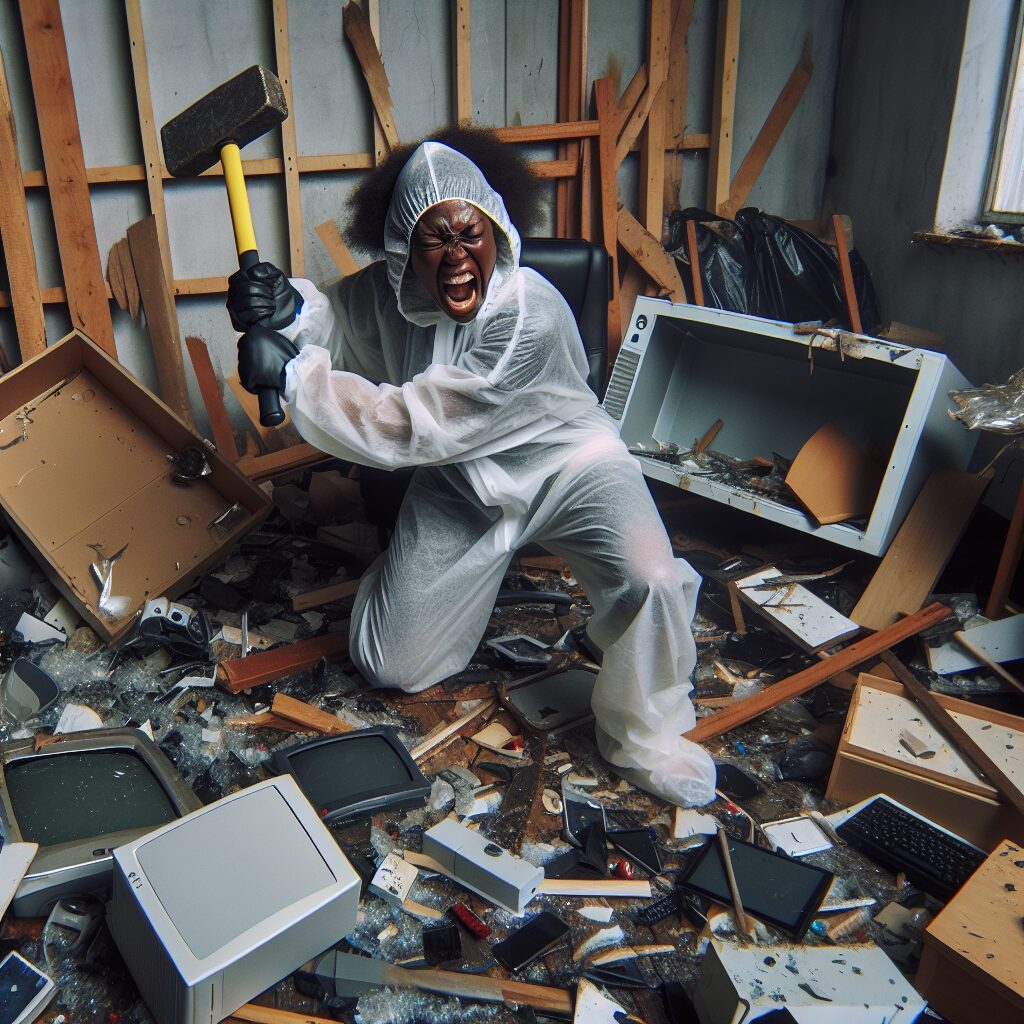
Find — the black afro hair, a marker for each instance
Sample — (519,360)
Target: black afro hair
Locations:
(506,172)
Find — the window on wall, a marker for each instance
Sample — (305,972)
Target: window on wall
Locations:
(1005,197)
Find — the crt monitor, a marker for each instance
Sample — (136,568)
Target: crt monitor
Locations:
(355,774)
(78,798)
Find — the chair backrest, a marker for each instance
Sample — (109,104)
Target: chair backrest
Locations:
(579,270)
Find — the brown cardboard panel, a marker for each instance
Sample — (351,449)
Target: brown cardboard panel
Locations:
(833,478)
(93,470)
(165,528)
(79,442)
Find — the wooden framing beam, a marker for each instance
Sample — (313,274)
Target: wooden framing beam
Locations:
(330,236)
(245,673)
(771,131)
(675,98)
(636,121)
(649,253)
(723,104)
(572,96)
(213,398)
(289,144)
(360,37)
(16,234)
(739,712)
(65,168)
(607,116)
(288,460)
(462,49)
(652,147)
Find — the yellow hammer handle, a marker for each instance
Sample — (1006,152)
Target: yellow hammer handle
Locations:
(238,199)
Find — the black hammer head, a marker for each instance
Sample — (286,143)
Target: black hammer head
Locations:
(240,110)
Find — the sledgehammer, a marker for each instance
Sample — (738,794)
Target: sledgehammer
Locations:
(215,128)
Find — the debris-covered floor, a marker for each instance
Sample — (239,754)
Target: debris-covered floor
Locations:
(220,741)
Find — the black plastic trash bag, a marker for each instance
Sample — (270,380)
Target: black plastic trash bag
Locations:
(765,266)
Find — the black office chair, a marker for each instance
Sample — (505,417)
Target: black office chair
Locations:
(580,271)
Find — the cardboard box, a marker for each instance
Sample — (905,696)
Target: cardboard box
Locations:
(945,788)
(682,367)
(970,965)
(817,984)
(84,473)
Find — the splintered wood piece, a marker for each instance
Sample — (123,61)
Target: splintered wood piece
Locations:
(359,35)
(330,236)
(16,234)
(308,717)
(709,436)
(131,281)
(956,733)
(161,316)
(736,607)
(846,274)
(213,399)
(264,720)
(115,278)
(921,548)
(648,252)
(771,131)
(633,888)
(738,712)
(425,746)
(693,253)
(67,181)
(324,595)
(245,673)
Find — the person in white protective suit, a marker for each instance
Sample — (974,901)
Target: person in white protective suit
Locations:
(450,357)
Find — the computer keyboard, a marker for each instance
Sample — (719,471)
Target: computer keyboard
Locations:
(932,858)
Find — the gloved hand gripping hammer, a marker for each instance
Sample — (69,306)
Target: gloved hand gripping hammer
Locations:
(215,128)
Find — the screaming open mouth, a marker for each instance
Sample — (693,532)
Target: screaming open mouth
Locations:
(460,292)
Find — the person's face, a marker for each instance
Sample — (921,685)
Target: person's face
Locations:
(453,254)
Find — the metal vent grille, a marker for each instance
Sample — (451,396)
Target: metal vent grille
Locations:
(620,382)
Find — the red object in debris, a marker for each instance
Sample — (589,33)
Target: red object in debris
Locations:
(470,921)
(513,744)
(625,869)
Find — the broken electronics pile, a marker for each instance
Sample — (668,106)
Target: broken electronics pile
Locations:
(208,803)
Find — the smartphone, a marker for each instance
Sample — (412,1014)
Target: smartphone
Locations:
(24,990)
(535,938)
(780,891)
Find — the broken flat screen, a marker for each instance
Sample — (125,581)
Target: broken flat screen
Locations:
(356,774)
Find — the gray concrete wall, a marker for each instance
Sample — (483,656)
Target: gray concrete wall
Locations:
(894,104)
(195,44)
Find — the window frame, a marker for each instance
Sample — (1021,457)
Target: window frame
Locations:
(1014,71)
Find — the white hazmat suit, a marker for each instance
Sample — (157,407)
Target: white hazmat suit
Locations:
(512,448)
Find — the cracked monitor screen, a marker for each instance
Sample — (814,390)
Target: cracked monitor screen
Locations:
(61,798)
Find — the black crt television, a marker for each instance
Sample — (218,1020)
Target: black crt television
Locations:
(78,798)
(355,774)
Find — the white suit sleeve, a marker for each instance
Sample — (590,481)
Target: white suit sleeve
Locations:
(519,377)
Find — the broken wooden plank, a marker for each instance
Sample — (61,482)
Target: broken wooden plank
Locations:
(921,548)
(16,235)
(360,37)
(250,1013)
(648,252)
(274,464)
(131,282)
(771,131)
(426,745)
(210,389)
(843,244)
(631,95)
(955,733)
(289,145)
(634,123)
(330,236)
(693,252)
(723,105)
(324,595)
(115,278)
(307,717)
(245,673)
(65,171)
(264,720)
(739,712)
(634,888)
(161,317)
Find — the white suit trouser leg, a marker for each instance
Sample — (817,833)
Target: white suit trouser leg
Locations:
(425,604)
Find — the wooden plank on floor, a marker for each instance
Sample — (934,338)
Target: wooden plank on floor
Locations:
(739,712)
(723,105)
(16,235)
(289,145)
(161,316)
(245,673)
(65,171)
(771,131)
(360,36)
(921,548)
(213,398)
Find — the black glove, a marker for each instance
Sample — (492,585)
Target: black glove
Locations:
(261,295)
(262,357)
